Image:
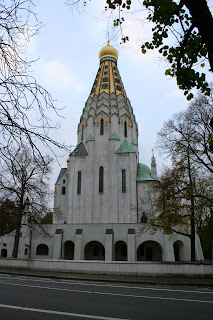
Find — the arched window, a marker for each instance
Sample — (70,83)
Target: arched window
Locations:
(124,181)
(63,190)
(79,183)
(125,129)
(102,127)
(101,180)
(42,250)
(144,218)
(26,251)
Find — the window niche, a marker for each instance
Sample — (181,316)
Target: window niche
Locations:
(101,179)
(63,190)
(125,129)
(123,181)
(144,218)
(79,183)
(102,127)
(82,133)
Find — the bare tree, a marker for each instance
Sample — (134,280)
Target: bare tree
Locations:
(189,132)
(21,97)
(185,139)
(24,179)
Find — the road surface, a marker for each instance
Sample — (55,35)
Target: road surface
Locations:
(33,298)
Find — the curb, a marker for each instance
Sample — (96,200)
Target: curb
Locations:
(178,281)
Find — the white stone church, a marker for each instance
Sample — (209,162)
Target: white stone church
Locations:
(97,209)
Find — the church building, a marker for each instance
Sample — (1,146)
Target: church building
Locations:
(97,200)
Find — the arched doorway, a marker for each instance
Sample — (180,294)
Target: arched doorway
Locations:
(4,253)
(120,251)
(42,250)
(94,250)
(149,251)
(68,250)
(178,250)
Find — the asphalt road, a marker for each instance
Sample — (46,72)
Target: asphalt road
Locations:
(23,297)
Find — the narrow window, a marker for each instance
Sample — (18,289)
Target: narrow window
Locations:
(102,127)
(79,183)
(124,181)
(125,129)
(144,218)
(63,190)
(101,180)
(82,132)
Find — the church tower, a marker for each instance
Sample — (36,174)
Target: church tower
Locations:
(102,170)
(104,197)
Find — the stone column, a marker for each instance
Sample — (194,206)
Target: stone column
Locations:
(109,245)
(168,250)
(131,245)
(78,254)
(57,248)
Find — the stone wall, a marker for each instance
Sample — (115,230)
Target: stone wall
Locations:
(114,268)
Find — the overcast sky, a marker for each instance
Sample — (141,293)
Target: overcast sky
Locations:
(67,47)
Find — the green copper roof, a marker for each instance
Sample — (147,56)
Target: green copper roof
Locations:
(125,147)
(134,142)
(90,138)
(144,173)
(114,136)
(62,172)
(80,150)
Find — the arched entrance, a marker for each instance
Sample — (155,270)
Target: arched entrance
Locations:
(68,250)
(94,250)
(42,249)
(178,250)
(4,253)
(149,251)
(120,251)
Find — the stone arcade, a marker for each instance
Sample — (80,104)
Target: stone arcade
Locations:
(95,194)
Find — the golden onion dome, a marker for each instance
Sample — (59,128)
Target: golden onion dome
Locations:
(108,51)
(68,160)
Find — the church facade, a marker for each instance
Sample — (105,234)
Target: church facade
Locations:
(97,201)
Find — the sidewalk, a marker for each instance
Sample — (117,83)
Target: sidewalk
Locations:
(156,280)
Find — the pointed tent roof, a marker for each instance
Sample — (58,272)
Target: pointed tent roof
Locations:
(134,142)
(61,173)
(114,136)
(125,147)
(80,150)
(90,138)
(108,78)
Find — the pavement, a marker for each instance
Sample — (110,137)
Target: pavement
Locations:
(158,280)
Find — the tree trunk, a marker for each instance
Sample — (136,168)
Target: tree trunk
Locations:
(192,236)
(18,227)
(192,209)
(203,20)
(17,236)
